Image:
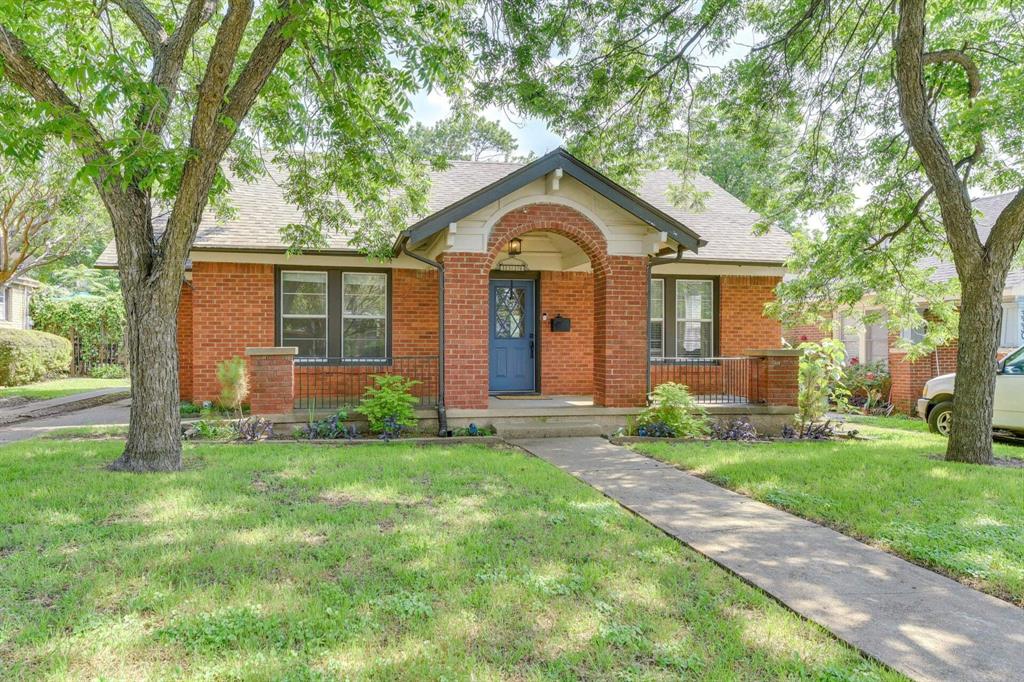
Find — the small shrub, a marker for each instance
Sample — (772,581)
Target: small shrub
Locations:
(27,355)
(821,380)
(234,383)
(869,385)
(328,428)
(388,404)
(474,430)
(209,430)
(254,429)
(673,413)
(736,429)
(188,409)
(108,370)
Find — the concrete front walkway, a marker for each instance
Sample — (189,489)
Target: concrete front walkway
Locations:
(918,622)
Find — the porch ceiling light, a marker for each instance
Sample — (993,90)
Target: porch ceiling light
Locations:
(515,246)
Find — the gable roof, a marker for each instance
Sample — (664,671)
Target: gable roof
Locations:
(260,210)
(570,165)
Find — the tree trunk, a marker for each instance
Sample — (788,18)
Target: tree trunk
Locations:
(981,311)
(151,313)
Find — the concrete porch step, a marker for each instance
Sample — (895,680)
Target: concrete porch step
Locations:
(550,429)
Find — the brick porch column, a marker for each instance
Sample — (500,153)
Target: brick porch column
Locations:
(778,379)
(620,333)
(465,329)
(271,380)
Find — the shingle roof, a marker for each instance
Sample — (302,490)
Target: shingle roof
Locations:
(990,208)
(260,210)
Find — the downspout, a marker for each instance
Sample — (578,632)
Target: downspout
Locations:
(442,413)
(651,262)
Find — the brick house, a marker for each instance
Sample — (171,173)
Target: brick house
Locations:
(542,280)
(875,343)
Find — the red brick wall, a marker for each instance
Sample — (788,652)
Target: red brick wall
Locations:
(909,378)
(414,312)
(232,309)
(806,332)
(741,314)
(466,346)
(620,333)
(567,358)
(271,383)
(185,348)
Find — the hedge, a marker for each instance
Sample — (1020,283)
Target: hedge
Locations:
(27,355)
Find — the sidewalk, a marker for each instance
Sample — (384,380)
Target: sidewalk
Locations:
(917,622)
(36,409)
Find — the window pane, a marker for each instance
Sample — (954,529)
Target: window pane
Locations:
(304,293)
(364,294)
(693,300)
(308,333)
(693,339)
(1013,326)
(657,298)
(509,312)
(364,338)
(657,338)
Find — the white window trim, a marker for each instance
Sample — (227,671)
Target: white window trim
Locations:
(4,293)
(344,315)
(327,307)
(710,320)
(651,319)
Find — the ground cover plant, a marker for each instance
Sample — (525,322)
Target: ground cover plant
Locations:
(58,388)
(390,561)
(892,491)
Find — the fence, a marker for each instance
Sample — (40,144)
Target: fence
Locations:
(333,383)
(712,381)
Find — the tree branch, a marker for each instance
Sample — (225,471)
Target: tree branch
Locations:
(149,26)
(950,190)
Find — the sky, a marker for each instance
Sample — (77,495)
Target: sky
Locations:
(531,134)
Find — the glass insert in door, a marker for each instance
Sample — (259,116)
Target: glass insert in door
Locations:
(509,309)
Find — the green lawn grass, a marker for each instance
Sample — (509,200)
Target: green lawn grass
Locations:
(58,388)
(895,421)
(964,520)
(391,561)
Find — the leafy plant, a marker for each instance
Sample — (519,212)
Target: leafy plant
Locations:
(474,430)
(187,409)
(254,429)
(95,322)
(328,428)
(673,413)
(209,430)
(735,429)
(821,380)
(108,370)
(810,431)
(869,385)
(389,404)
(234,383)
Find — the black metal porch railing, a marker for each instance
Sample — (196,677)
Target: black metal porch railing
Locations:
(333,383)
(711,381)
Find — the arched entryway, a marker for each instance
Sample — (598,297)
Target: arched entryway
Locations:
(610,315)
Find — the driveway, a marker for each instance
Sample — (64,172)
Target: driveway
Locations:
(115,413)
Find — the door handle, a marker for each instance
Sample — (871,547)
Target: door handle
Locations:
(531,349)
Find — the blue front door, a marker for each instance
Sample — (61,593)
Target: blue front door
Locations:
(513,342)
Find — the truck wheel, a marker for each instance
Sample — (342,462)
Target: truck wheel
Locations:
(940,419)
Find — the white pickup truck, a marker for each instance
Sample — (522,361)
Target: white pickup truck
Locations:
(936,402)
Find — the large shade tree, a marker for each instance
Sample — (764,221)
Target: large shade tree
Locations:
(165,101)
(907,109)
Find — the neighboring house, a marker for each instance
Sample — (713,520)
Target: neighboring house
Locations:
(14,298)
(875,343)
(545,292)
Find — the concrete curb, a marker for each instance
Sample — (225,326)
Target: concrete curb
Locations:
(26,413)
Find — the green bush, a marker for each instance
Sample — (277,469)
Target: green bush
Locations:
(108,370)
(673,413)
(27,355)
(234,383)
(821,380)
(388,404)
(96,321)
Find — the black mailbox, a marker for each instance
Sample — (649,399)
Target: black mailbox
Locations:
(560,324)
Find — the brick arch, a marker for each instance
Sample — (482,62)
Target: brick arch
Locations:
(556,218)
